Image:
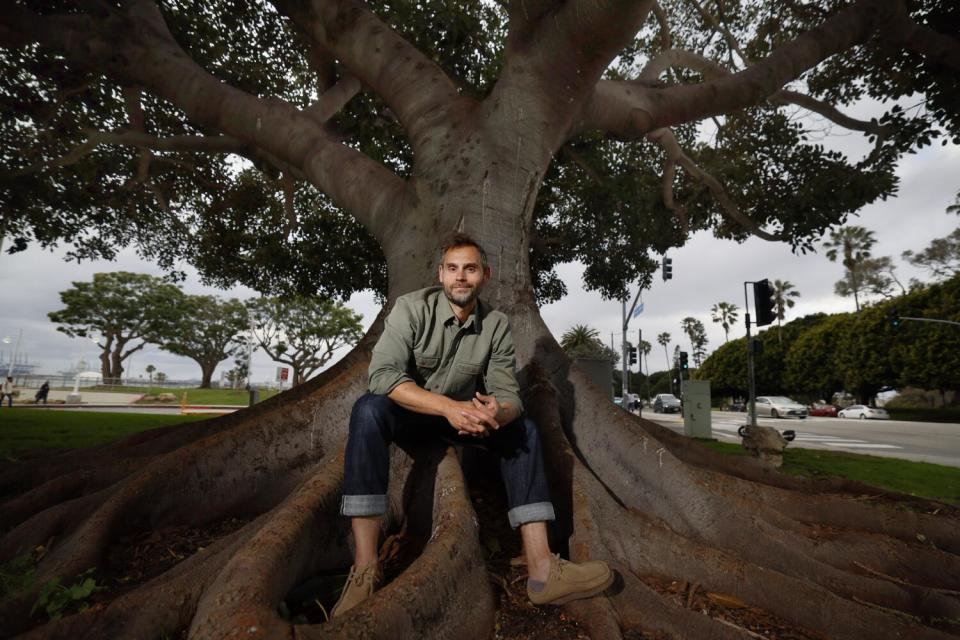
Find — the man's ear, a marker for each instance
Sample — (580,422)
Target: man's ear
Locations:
(440,273)
(487,274)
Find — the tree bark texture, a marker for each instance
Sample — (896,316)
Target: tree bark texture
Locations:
(835,559)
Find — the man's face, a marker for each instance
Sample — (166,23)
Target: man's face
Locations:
(462,275)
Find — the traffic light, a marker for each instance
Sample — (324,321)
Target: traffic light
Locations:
(633,356)
(763,299)
(684,364)
(667,268)
(893,318)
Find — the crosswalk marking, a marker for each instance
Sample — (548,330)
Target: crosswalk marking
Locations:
(728,430)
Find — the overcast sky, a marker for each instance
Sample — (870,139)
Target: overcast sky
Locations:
(706,271)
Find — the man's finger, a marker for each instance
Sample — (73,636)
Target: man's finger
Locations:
(482,419)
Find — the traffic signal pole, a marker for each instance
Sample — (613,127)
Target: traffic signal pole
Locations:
(751,380)
(624,345)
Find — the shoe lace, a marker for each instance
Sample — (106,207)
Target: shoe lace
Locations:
(561,564)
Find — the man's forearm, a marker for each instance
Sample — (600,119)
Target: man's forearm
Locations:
(417,399)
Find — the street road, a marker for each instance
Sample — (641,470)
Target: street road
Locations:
(922,441)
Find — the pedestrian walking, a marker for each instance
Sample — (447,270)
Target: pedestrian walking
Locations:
(42,393)
(7,392)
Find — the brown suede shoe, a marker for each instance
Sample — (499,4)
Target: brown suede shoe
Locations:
(361,583)
(570,581)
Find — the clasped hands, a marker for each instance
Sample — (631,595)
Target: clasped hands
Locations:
(475,417)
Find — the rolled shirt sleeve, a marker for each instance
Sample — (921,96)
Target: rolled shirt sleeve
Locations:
(500,377)
(388,365)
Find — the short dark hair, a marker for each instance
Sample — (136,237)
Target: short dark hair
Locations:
(458,239)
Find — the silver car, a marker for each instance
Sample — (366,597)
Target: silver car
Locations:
(780,407)
(864,412)
(666,403)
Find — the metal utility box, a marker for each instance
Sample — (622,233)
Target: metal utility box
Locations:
(696,409)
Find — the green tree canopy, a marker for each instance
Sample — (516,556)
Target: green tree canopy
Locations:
(205,329)
(118,308)
(302,332)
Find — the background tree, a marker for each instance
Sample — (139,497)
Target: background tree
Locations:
(851,245)
(205,329)
(122,307)
(160,377)
(302,332)
(150,369)
(322,146)
(726,369)
(582,341)
(921,354)
(697,334)
(663,339)
(726,313)
(783,298)
(810,368)
(879,278)
(941,259)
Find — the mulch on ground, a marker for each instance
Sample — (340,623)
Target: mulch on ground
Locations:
(139,557)
(728,610)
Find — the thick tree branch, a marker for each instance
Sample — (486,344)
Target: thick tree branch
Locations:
(334,99)
(632,110)
(710,69)
(666,35)
(670,145)
(415,88)
(669,176)
(143,52)
(921,39)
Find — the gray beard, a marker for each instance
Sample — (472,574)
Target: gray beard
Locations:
(462,300)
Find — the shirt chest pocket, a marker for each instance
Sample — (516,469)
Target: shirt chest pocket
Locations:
(426,364)
(468,376)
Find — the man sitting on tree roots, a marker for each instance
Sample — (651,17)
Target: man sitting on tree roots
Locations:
(459,346)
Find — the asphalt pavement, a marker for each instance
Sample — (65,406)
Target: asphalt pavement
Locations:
(935,442)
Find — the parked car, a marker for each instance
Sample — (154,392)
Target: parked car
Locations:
(780,407)
(825,410)
(666,403)
(864,412)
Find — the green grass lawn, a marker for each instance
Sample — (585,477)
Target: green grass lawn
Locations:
(237,397)
(24,431)
(905,476)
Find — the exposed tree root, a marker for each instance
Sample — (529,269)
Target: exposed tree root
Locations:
(445,593)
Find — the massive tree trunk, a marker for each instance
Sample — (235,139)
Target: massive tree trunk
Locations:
(206,371)
(815,556)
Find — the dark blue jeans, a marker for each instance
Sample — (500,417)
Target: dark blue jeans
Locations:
(377,421)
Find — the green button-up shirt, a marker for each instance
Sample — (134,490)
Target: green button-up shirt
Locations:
(423,343)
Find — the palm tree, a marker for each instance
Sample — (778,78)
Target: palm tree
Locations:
(579,336)
(726,313)
(645,348)
(664,339)
(853,245)
(783,294)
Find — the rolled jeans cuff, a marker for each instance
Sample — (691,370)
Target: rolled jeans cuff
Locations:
(372,505)
(535,512)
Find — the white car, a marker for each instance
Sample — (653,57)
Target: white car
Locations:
(864,412)
(780,407)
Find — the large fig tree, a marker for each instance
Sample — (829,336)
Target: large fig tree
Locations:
(322,146)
